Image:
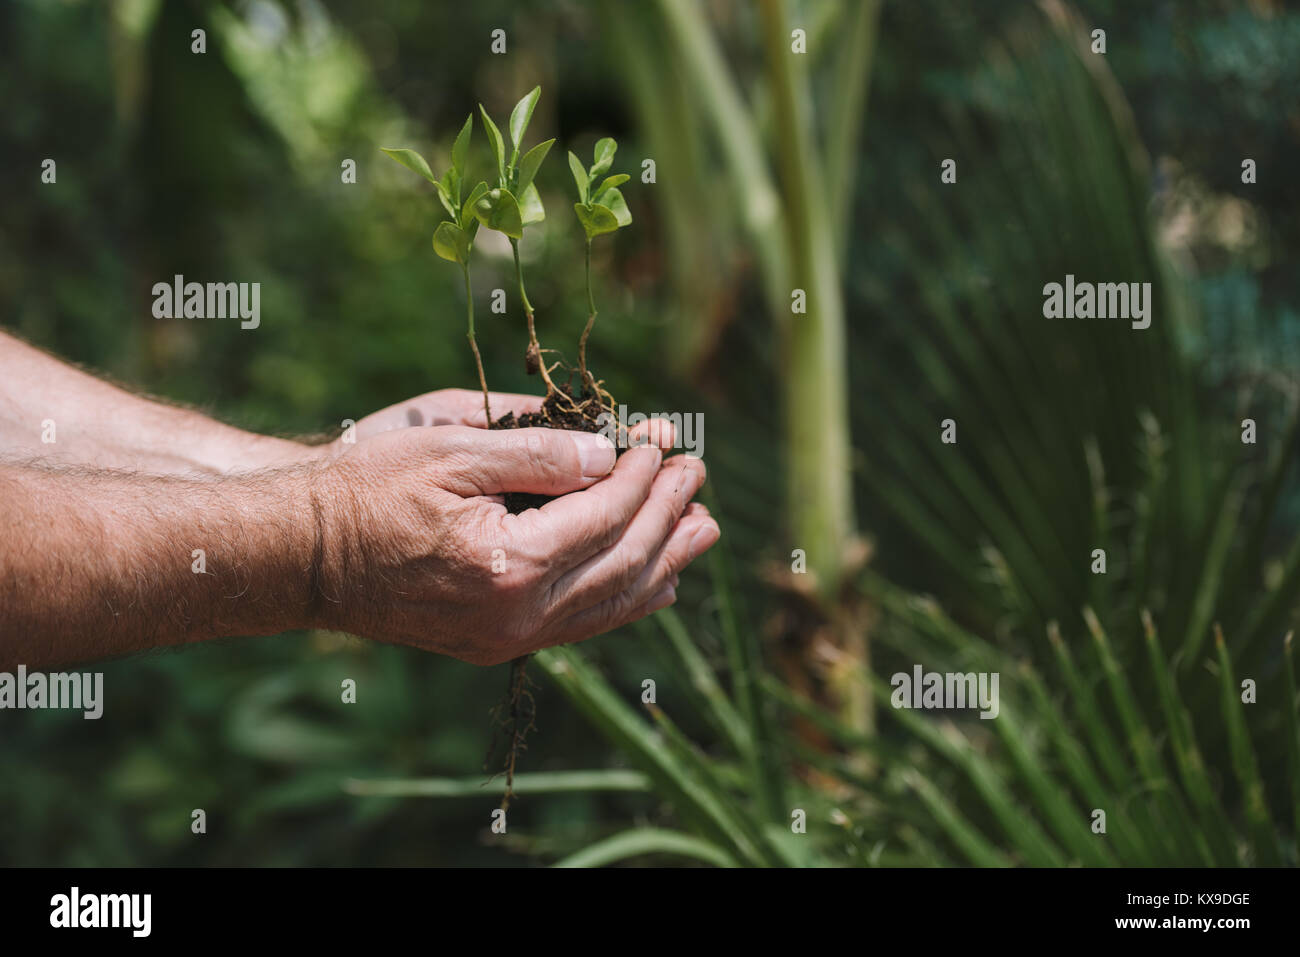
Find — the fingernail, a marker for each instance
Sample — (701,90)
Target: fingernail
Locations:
(662,599)
(595,452)
(703,540)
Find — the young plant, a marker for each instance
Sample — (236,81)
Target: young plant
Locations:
(514,204)
(453,240)
(601,209)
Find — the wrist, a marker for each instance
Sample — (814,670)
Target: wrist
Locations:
(334,558)
(257,533)
(268,452)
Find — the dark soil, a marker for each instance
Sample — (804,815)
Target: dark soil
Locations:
(555,414)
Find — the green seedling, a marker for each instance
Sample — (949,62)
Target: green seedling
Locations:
(510,207)
(601,209)
(514,204)
(453,239)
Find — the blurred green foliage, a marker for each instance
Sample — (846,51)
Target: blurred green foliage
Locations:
(227,166)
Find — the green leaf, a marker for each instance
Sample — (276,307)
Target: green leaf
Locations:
(521,114)
(703,683)
(1187,755)
(618,179)
(647,840)
(613,200)
(531,209)
(614,717)
(412,161)
(498,209)
(529,164)
(1038,850)
(1141,742)
(596,220)
(968,839)
(445,196)
(498,147)
(605,150)
(1292,726)
(451,243)
(460,149)
(580,177)
(467,211)
(535,782)
(1244,764)
(1216,557)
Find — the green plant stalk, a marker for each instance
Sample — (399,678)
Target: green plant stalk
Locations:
(591,320)
(819,500)
(533,346)
(473,344)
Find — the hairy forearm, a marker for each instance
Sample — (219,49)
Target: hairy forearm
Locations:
(95,563)
(52,411)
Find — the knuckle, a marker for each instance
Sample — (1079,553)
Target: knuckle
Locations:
(533,442)
(638,557)
(618,608)
(516,578)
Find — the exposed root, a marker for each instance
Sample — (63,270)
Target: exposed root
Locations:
(513,717)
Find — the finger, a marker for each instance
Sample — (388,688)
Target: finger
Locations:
(657,432)
(690,540)
(583,626)
(499,402)
(600,620)
(615,568)
(541,461)
(577,526)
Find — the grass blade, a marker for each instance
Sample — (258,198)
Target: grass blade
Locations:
(702,681)
(539,782)
(592,694)
(639,842)
(1263,837)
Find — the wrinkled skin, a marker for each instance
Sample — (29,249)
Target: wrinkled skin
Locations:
(418,547)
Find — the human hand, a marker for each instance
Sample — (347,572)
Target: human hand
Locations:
(416,545)
(446,407)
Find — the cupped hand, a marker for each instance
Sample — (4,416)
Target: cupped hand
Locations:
(446,407)
(416,545)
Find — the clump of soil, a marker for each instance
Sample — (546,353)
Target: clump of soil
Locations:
(561,410)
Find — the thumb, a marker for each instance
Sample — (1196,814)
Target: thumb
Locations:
(539,461)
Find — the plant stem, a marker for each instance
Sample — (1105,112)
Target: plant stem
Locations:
(591,320)
(815,381)
(528,311)
(815,376)
(469,334)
